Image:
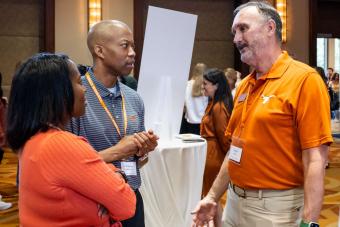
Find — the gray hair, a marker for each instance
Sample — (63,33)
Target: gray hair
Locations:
(267,10)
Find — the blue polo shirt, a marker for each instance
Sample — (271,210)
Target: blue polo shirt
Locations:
(96,126)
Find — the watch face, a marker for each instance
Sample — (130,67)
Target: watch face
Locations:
(314,225)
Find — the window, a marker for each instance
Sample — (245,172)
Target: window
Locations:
(337,55)
(321,53)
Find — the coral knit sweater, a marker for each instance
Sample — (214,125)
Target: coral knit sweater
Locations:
(64,182)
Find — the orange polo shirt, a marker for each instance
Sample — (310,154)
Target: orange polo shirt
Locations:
(284,112)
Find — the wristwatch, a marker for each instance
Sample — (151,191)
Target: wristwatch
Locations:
(308,224)
(121,172)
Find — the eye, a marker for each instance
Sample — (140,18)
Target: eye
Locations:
(243,28)
(125,45)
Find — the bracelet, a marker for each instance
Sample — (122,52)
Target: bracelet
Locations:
(308,224)
(121,172)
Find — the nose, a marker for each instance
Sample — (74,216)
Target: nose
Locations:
(237,37)
(132,52)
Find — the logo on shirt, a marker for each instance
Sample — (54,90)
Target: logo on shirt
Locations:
(266,99)
(242,97)
(132,118)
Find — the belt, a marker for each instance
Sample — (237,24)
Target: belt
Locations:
(263,193)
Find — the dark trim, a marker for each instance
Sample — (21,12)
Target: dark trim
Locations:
(238,64)
(138,32)
(312,31)
(47,43)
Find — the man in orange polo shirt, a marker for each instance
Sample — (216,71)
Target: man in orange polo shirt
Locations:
(279,131)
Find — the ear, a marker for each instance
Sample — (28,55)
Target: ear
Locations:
(271,26)
(216,86)
(98,50)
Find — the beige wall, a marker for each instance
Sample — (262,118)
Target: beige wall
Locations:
(19,35)
(331,53)
(71,25)
(298,29)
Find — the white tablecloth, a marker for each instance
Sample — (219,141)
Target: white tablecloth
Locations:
(172,183)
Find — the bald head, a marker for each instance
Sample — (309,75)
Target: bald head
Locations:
(104,31)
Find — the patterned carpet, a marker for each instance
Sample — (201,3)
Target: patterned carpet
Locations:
(8,189)
(329,215)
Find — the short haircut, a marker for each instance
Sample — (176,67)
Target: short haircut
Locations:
(267,10)
(41,95)
(223,92)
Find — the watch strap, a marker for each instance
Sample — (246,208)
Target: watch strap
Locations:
(308,224)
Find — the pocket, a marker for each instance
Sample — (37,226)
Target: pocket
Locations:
(284,204)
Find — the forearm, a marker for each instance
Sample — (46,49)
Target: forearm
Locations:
(314,191)
(220,184)
(114,153)
(314,174)
(108,155)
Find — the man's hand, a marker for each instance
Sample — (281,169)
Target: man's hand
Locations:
(147,141)
(204,213)
(126,147)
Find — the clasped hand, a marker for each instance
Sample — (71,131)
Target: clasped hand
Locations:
(146,142)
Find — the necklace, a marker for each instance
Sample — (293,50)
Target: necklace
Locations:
(53,126)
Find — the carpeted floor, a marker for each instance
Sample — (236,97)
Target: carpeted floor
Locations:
(329,215)
(8,189)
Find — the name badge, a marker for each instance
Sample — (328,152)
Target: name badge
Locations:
(235,154)
(242,97)
(129,168)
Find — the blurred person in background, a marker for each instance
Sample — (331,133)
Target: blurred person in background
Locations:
(3,110)
(334,85)
(214,125)
(329,75)
(231,75)
(195,101)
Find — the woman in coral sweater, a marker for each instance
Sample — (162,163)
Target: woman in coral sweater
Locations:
(63,182)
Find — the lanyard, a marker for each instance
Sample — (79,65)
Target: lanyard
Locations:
(101,101)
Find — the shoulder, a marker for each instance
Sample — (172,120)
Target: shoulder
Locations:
(218,107)
(300,68)
(309,74)
(62,138)
(65,144)
(129,93)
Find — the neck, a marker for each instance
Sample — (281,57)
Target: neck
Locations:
(58,127)
(267,62)
(107,78)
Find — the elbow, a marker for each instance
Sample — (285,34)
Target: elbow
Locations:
(130,212)
(127,207)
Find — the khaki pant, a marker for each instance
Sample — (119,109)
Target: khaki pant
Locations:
(282,209)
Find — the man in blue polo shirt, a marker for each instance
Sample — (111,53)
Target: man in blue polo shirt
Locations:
(114,118)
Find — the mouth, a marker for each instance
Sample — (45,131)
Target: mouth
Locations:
(241,47)
(130,65)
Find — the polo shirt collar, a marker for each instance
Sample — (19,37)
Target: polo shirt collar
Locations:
(102,90)
(277,70)
(280,66)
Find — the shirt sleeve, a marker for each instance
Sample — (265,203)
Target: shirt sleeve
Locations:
(141,113)
(220,119)
(313,113)
(73,163)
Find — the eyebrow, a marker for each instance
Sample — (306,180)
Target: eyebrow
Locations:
(237,26)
